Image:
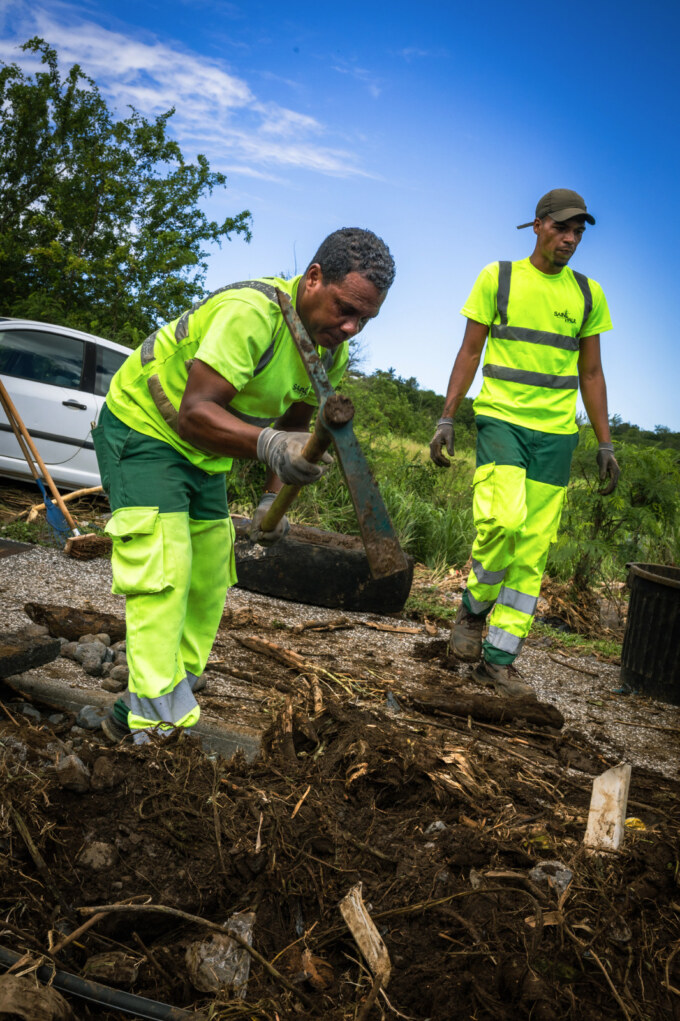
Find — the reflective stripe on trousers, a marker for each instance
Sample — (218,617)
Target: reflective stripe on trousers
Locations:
(516,519)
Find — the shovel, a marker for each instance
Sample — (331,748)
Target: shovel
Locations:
(57,514)
(333,427)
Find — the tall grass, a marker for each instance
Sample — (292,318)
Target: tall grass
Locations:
(431,508)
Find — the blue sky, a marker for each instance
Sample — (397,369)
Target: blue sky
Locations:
(438,125)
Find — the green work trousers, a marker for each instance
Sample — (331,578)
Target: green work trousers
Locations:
(519,489)
(173,560)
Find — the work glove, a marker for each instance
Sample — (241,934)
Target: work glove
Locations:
(444,436)
(267,538)
(609,467)
(282,451)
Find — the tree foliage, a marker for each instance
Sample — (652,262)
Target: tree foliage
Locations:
(100,222)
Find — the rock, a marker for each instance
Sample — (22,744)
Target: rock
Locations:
(109,656)
(88,650)
(56,718)
(35,630)
(86,639)
(31,712)
(551,875)
(105,774)
(90,717)
(103,638)
(120,673)
(69,650)
(438,826)
(106,669)
(97,856)
(120,658)
(119,646)
(72,774)
(111,684)
(113,967)
(93,667)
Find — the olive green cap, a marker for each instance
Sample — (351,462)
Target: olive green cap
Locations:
(560,204)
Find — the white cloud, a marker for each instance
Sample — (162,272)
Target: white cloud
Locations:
(217,112)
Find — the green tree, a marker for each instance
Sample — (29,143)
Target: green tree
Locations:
(100,222)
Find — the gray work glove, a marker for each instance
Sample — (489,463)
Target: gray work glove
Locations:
(444,436)
(267,538)
(609,468)
(282,451)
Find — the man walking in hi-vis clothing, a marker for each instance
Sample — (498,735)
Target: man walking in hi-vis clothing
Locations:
(542,321)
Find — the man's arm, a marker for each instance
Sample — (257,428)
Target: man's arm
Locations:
(204,419)
(593,387)
(460,381)
(594,396)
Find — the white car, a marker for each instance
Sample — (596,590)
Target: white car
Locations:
(57,378)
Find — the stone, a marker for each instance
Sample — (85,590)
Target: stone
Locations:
(56,718)
(120,658)
(120,673)
(72,774)
(69,650)
(103,638)
(97,855)
(90,717)
(31,712)
(93,667)
(114,967)
(110,684)
(88,650)
(105,773)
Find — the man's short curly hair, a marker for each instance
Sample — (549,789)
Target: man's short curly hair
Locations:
(354,250)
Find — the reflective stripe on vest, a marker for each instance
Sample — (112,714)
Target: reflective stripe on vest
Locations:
(503,331)
(504,640)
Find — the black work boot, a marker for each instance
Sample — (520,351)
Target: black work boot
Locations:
(498,677)
(465,641)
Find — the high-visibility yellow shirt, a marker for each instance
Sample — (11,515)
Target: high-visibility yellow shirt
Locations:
(536,321)
(239,331)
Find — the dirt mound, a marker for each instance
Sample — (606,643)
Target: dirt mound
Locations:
(471,861)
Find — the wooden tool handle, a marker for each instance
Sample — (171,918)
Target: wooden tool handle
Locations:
(316,445)
(17,434)
(14,415)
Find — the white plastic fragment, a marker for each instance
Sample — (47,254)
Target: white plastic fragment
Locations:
(607,815)
(367,937)
(219,962)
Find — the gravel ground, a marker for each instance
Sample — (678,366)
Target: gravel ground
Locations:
(631,728)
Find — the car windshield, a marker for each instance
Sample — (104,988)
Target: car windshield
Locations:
(108,363)
(42,357)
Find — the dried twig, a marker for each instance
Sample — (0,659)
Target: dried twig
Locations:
(572,666)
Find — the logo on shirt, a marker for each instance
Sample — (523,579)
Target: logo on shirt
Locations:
(303,391)
(564,315)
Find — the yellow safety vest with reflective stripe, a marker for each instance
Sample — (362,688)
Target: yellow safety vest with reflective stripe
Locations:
(535,324)
(239,331)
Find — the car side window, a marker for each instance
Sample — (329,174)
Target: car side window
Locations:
(108,363)
(42,357)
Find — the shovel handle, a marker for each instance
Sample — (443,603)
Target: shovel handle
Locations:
(316,445)
(15,418)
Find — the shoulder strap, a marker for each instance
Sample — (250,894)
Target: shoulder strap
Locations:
(582,281)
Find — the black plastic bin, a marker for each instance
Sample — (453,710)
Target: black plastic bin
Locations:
(650,659)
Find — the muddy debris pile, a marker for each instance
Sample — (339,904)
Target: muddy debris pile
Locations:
(212,888)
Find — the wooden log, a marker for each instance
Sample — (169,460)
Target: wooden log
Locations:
(286,656)
(71,622)
(20,652)
(493,709)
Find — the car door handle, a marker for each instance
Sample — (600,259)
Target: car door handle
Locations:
(75,405)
